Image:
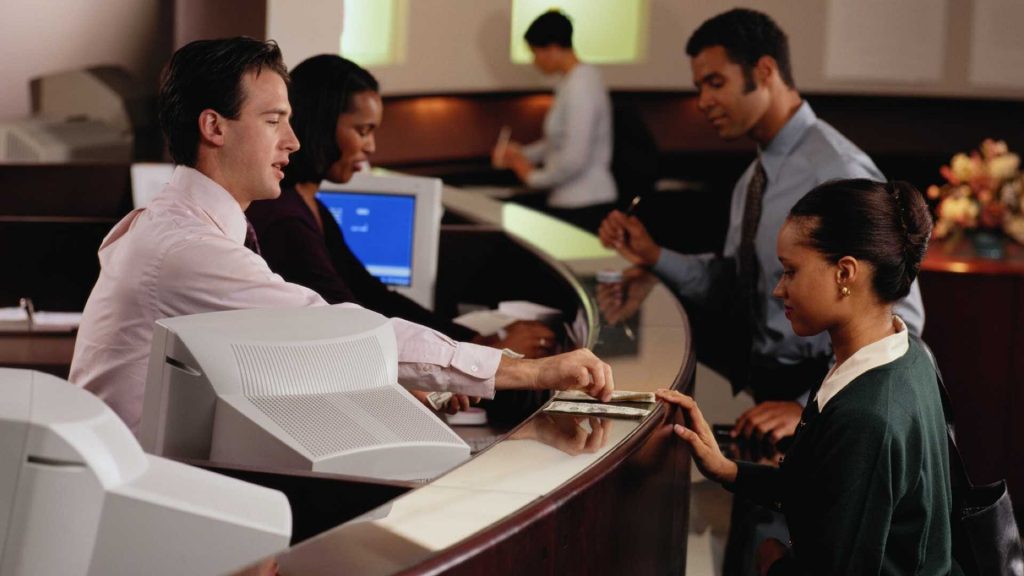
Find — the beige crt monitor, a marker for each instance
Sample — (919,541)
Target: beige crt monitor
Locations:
(309,388)
(79,497)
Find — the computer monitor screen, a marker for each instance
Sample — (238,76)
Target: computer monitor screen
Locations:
(379,228)
(392,224)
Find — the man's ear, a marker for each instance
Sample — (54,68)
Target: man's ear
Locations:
(211,127)
(765,68)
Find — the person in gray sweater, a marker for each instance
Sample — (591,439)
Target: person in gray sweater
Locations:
(865,484)
(573,159)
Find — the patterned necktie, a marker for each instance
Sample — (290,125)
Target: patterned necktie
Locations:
(250,237)
(746,278)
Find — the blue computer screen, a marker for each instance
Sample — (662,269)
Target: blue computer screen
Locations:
(379,230)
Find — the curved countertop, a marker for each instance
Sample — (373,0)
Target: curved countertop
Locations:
(548,460)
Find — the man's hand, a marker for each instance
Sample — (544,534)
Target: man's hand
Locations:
(703,446)
(455,403)
(772,421)
(628,236)
(769,551)
(576,370)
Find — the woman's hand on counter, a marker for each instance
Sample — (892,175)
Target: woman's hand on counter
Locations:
(703,446)
(576,370)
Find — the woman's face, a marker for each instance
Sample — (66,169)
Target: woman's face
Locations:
(356,132)
(808,287)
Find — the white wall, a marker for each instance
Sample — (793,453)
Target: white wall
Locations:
(462,45)
(452,45)
(43,36)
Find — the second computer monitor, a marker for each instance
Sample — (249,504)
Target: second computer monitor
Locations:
(392,224)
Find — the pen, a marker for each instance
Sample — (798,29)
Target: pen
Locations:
(632,205)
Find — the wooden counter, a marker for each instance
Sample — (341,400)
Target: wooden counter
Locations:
(975,326)
(560,494)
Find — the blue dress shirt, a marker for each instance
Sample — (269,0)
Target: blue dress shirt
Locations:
(805,153)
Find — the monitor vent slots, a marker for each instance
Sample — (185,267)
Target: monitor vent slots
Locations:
(274,369)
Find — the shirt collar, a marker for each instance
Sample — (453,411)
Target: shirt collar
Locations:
(788,137)
(214,200)
(867,358)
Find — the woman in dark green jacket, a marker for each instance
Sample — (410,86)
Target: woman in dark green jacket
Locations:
(865,484)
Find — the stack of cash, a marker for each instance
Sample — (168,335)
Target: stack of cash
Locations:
(617,396)
(597,409)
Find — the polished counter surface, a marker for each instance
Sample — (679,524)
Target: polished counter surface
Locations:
(550,461)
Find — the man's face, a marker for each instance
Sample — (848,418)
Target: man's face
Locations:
(257,143)
(545,58)
(722,93)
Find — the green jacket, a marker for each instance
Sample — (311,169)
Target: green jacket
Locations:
(865,485)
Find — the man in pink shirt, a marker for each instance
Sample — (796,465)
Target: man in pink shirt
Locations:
(224,111)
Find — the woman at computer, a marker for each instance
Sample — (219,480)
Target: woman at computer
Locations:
(865,484)
(336,108)
(573,159)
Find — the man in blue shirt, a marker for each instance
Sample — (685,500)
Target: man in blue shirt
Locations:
(741,67)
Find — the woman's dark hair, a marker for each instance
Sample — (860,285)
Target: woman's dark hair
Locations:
(886,224)
(321,89)
(207,74)
(746,35)
(551,27)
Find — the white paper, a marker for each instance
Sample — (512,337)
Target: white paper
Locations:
(524,310)
(56,321)
(484,322)
(902,41)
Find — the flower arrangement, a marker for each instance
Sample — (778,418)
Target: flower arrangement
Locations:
(983,191)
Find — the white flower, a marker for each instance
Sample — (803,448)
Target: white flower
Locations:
(1003,167)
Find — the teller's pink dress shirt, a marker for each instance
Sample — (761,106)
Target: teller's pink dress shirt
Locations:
(184,254)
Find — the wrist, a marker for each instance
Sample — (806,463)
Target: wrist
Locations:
(515,373)
(730,473)
(652,257)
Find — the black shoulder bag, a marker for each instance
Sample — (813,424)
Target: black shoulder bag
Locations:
(986,540)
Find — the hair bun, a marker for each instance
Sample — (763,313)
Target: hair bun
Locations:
(916,223)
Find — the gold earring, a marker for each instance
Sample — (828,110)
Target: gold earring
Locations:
(845,291)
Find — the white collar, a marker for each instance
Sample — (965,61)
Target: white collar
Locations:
(867,358)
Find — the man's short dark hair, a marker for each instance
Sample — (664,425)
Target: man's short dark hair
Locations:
(551,27)
(207,74)
(746,35)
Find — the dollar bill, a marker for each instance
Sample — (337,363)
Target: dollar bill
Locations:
(597,409)
(438,400)
(617,396)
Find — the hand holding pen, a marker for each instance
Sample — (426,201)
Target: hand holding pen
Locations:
(625,233)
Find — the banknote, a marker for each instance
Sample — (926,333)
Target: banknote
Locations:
(597,409)
(438,400)
(617,396)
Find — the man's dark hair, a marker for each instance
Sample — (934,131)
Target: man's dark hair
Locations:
(321,89)
(886,224)
(551,27)
(207,74)
(746,35)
